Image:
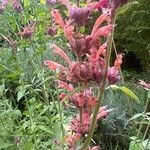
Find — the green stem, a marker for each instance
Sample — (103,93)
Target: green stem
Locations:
(35,53)
(102,90)
(60,111)
(141,124)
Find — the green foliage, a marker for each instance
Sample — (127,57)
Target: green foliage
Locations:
(132,34)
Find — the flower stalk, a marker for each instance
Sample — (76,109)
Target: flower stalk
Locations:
(101,91)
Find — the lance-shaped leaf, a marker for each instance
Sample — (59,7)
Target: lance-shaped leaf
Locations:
(127,91)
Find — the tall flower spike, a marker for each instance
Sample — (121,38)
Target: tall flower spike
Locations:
(57,18)
(61,53)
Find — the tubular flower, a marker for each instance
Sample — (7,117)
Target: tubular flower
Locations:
(84,100)
(53,65)
(71,138)
(64,85)
(145,85)
(80,127)
(57,18)
(61,53)
(113,72)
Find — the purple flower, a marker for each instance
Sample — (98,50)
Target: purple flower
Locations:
(17,6)
(79,15)
(50,2)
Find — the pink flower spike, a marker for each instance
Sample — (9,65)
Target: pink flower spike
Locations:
(102,32)
(57,18)
(64,85)
(61,53)
(104,17)
(53,65)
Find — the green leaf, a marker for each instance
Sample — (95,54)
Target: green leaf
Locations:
(46,129)
(127,91)
(5,145)
(2,88)
(21,92)
(28,146)
(26,2)
(124,8)
(42,1)
(135,116)
(135,146)
(146,144)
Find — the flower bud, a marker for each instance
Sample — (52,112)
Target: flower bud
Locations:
(51,31)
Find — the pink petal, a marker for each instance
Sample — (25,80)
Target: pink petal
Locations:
(103,112)
(64,85)
(57,17)
(104,17)
(102,32)
(69,33)
(61,53)
(53,65)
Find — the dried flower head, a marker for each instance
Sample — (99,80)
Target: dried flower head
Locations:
(52,30)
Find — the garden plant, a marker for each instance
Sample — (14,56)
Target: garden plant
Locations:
(62,86)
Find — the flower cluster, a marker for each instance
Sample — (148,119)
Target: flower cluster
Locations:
(91,51)
(27,31)
(15,4)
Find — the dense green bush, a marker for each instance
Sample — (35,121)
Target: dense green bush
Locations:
(133,34)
